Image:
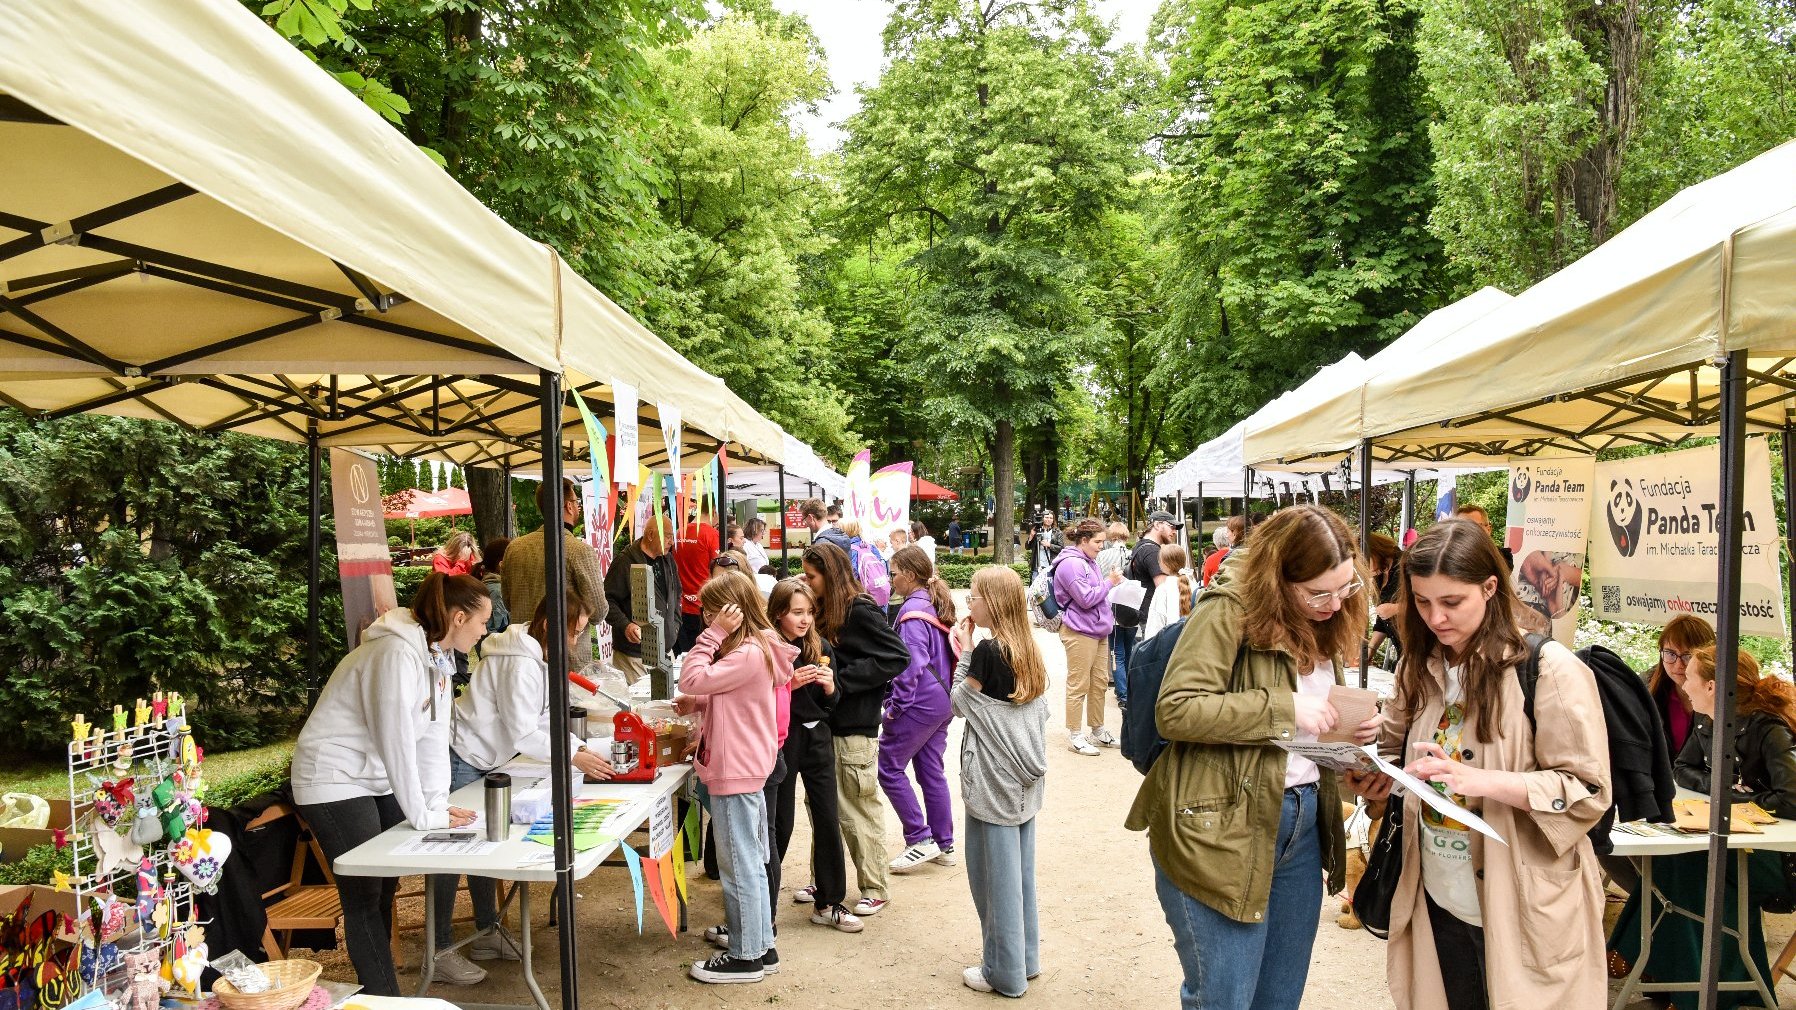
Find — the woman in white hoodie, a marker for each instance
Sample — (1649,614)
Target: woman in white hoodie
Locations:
(375,751)
(504,714)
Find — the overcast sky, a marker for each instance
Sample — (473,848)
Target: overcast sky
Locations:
(850,31)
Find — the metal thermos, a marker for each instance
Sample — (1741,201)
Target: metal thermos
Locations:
(498,806)
(576,721)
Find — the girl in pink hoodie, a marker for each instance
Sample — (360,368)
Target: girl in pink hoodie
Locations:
(735,673)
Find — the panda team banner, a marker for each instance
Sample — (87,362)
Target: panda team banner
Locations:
(1655,540)
(1549,515)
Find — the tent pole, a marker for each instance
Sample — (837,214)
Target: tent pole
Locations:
(1365,540)
(561,788)
(1789,454)
(785,535)
(314,546)
(1408,521)
(1727,646)
(511,525)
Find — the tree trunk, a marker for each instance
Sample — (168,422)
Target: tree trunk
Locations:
(486,491)
(1051,453)
(1004,491)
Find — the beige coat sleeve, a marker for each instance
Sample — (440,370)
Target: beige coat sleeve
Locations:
(1568,791)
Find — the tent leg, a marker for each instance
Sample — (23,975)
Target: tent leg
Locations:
(1409,505)
(511,522)
(1727,645)
(561,789)
(314,546)
(1789,454)
(785,535)
(1365,539)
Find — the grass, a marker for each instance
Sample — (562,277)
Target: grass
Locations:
(51,780)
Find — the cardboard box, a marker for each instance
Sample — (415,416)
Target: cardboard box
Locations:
(670,745)
(15,842)
(43,899)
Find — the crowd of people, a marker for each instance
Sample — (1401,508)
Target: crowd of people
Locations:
(848,674)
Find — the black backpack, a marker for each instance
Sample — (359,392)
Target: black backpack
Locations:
(1141,739)
(1641,784)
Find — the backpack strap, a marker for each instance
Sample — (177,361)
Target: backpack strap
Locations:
(918,615)
(1529,673)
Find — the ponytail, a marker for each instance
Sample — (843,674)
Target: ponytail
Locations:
(440,597)
(914,562)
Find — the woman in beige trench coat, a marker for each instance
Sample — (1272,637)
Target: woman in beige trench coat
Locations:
(1520,923)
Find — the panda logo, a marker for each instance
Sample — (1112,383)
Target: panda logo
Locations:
(1520,483)
(1624,517)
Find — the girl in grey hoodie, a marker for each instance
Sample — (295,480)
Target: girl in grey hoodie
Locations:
(998,687)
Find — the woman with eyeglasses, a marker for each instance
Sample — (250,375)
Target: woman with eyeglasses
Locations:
(1241,831)
(1475,923)
(1678,640)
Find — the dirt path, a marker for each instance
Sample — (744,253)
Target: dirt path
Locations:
(1104,941)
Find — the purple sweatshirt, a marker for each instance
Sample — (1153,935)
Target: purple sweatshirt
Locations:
(921,691)
(1083,594)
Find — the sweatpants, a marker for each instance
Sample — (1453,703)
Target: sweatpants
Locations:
(1001,872)
(340,826)
(741,823)
(811,754)
(918,740)
(862,816)
(1087,675)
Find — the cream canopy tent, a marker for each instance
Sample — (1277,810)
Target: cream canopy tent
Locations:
(1216,469)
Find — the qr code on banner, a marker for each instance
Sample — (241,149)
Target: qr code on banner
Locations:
(1611,599)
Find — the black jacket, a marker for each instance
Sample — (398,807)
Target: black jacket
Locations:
(869,655)
(617,592)
(1764,761)
(1640,773)
(809,703)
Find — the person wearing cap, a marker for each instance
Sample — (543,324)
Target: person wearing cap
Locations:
(1144,567)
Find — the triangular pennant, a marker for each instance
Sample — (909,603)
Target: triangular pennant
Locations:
(694,840)
(679,858)
(634,862)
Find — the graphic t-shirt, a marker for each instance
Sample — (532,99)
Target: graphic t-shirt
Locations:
(1447,844)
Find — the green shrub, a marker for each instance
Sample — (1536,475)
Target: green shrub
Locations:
(38,867)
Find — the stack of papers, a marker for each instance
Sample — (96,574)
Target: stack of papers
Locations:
(1348,757)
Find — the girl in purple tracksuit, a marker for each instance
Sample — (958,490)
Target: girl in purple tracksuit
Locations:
(917,713)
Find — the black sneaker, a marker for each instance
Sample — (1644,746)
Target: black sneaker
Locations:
(724,970)
(719,937)
(770,962)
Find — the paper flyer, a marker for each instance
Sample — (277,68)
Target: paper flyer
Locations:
(1346,757)
(1339,757)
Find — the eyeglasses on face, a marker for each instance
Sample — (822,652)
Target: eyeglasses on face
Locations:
(1320,600)
(1672,655)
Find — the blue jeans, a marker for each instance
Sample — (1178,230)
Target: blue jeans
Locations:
(1001,873)
(1122,646)
(739,822)
(1254,965)
(483,892)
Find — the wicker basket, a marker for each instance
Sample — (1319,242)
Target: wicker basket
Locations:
(292,983)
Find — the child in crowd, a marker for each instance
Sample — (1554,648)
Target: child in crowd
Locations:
(1173,601)
(733,672)
(998,688)
(917,713)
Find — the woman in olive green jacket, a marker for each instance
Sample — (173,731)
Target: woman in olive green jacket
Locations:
(1241,832)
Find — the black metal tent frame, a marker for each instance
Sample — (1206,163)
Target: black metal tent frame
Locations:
(419,415)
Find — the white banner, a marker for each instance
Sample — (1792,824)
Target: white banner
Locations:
(623,422)
(1655,541)
(1549,510)
(889,505)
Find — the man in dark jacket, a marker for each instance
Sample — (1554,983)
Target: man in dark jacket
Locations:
(1045,542)
(823,531)
(626,633)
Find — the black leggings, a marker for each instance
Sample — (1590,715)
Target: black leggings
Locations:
(1459,947)
(811,755)
(367,901)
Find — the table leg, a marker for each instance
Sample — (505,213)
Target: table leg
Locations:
(428,969)
(1743,920)
(1647,920)
(536,992)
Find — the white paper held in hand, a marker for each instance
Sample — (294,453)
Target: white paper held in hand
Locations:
(1128,593)
(1442,804)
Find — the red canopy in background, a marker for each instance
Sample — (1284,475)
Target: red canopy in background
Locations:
(922,490)
(417,503)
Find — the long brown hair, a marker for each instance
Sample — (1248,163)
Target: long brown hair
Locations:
(840,587)
(1002,592)
(810,648)
(1754,692)
(727,587)
(1295,545)
(914,562)
(1685,633)
(440,597)
(1174,561)
(1460,550)
(539,621)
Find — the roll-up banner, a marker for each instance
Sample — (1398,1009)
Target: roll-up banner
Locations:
(1549,514)
(364,564)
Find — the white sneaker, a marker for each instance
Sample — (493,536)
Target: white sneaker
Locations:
(915,856)
(453,969)
(806,895)
(1079,745)
(1101,736)
(491,948)
(974,977)
(946,858)
(718,936)
(839,917)
(869,906)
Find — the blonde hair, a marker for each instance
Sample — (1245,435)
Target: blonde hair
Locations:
(459,545)
(850,528)
(727,587)
(1175,561)
(1002,591)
